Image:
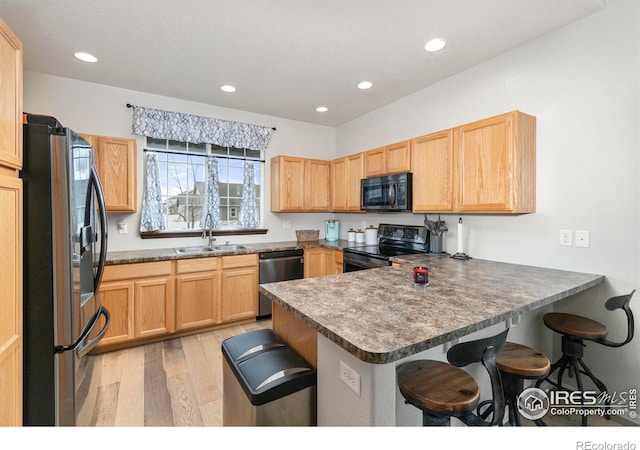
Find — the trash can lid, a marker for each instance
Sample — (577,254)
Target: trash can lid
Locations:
(275,374)
(247,345)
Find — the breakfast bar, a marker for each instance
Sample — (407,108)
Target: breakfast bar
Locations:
(367,322)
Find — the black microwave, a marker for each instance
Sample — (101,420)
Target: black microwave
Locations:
(387,193)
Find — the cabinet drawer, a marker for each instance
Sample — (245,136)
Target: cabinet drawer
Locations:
(239,261)
(137,270)
(197,265)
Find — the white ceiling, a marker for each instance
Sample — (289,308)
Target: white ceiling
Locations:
(286,57)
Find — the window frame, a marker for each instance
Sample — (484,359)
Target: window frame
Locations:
(209,151)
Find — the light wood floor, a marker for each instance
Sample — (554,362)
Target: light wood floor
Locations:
(178,382)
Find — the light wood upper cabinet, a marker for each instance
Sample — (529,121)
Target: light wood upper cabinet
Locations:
(287,184)
(394,158)
(433,172)
(10,98)
(346,174)
(11,223)
(488,166)
(299,184)
(116,163)
(497,164)
(316,185)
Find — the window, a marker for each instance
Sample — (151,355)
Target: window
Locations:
(182,182)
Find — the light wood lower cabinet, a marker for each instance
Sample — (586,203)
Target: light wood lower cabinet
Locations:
(239,287)
(197,293)
(150,301)
(140,300)
(319,262)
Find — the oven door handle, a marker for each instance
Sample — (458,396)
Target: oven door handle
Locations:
(367,265)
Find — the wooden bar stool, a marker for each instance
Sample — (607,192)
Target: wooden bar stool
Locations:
(442,390)
(577,329)
(517,363)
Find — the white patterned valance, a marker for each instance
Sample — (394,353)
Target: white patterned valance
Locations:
(159,124)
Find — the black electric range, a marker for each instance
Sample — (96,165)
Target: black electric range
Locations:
(393,240)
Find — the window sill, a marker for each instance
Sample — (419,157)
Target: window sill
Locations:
(195,233)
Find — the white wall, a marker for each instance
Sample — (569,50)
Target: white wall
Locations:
(582,83)
(98,109)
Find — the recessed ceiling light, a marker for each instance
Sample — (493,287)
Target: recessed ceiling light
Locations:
(86,57)
(365,85)
(434,45)
(322,109)
(228,88)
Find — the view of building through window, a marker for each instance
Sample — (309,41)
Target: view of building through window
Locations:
(183,181)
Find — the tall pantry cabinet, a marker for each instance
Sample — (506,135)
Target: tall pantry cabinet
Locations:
(10,228)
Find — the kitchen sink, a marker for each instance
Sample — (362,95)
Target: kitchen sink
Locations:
(212,249)
(228,248)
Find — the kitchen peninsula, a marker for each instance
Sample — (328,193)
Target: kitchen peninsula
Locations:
(373,320)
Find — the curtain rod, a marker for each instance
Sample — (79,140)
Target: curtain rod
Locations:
(129,105)
(201,155)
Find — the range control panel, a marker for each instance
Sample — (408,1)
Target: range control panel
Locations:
(405,233)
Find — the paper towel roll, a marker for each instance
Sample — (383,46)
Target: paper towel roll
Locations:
(460,231)
(371,236)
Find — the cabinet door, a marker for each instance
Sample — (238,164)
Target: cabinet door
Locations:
(339,183)
(287,184)
(116,162)
(317,179)
(375,162)
(398,157)
(485,153)
(10,301)
(197,300)
(354,173)
(433,172)
(313,262)
(153,307)
(338,260)
(10,98)
(118,298)
(239,293)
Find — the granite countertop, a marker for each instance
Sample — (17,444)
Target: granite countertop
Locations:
(380,317)
(166,254)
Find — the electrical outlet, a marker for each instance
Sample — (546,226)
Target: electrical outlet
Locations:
(582,238)
(350,377)
(122,227)
(566,237)
(286,224)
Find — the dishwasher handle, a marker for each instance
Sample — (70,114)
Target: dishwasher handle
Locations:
(286,258)
(280,254)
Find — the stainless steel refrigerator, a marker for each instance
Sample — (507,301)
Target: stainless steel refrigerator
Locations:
(65,245)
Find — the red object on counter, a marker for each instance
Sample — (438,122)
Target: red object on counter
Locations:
(420,275)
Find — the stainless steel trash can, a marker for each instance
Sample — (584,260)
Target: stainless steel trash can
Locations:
(266,383)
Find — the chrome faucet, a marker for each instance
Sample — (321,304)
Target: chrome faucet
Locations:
(207,232)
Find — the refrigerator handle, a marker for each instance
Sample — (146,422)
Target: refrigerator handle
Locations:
(95,181)
(84,346)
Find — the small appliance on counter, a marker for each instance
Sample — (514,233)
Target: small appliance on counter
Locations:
(331,230)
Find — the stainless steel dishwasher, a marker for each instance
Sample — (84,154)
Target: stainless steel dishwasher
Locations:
(280,265)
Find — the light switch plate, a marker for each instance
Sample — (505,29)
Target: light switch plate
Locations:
(582,238)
